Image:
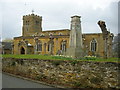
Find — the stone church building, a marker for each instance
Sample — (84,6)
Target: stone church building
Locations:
(59,42)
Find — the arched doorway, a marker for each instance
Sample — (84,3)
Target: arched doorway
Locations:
(22,51)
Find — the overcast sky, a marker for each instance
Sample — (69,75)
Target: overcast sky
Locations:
(56,14)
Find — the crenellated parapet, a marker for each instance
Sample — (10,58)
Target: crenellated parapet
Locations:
(31,24)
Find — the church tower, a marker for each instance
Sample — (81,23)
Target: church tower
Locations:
(32,24)
(75,41)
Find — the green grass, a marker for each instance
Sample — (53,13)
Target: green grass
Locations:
(43,57)
(49,57)
(103,60)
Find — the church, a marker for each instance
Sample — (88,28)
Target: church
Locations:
(34,40)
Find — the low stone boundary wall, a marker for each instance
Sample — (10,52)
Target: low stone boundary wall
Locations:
(72,74)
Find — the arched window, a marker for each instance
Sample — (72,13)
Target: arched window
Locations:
(39,46)
(93,45)
(50,47)
(63,46)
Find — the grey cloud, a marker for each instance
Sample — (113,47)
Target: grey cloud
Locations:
(56,16)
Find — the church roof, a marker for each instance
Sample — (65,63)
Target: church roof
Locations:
(91,33)
(7,45)
(56,30)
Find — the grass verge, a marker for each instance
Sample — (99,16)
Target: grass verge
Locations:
(49,57)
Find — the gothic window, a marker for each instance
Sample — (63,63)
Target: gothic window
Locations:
(63,46)
(93,45)
(49,47)
(39,46)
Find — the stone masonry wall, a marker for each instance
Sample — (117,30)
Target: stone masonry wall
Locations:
(74,74)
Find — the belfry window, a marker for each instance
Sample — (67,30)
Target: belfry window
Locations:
(93,45)
(37,22)
(27,22)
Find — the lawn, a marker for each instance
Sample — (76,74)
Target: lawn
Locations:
(49,57)
(43,57)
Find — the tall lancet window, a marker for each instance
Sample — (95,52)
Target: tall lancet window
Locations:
(63,46)
(39,46)
(51,46)
(93,45)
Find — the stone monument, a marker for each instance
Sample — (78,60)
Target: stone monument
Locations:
(75,42)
